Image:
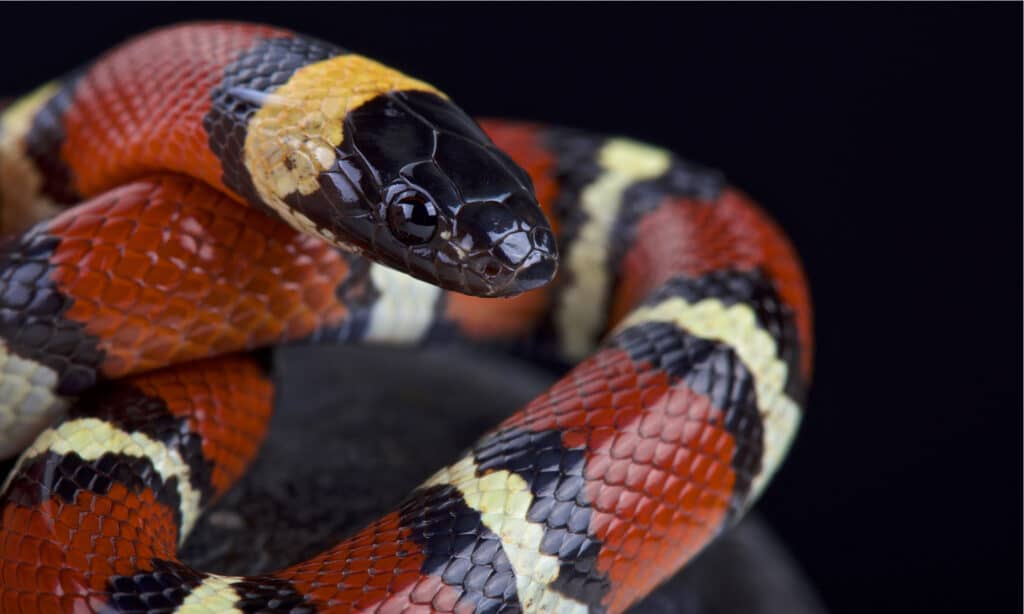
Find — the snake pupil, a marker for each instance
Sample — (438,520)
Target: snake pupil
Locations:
(413,219)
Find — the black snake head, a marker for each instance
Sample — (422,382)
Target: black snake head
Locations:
(441,202)
(415,184)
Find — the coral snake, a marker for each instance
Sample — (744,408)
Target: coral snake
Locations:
(237,186)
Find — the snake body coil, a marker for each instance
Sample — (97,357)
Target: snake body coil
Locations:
(124,321)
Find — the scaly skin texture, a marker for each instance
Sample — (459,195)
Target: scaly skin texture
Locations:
(108,138)
(584,500)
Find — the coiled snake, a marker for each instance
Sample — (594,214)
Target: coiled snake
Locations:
(237,186)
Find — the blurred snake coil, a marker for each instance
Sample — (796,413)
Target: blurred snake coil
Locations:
(210,189)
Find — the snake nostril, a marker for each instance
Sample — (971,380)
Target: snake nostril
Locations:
(491,269)
(543,239)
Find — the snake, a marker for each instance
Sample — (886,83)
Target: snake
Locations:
(206,191)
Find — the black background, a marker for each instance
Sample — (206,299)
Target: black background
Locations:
(887,141)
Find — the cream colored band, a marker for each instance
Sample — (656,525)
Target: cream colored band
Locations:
(91,438)
(28,401)
(581,313)
(502,499)
(22,203)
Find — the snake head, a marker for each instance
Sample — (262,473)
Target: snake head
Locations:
(387,166)
(445,204)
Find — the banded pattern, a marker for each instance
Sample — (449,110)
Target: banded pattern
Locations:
(583,501)
(609,184)
(149,274)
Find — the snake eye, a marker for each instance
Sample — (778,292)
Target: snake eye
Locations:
(412,218)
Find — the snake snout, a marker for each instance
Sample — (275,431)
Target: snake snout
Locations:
(532,256)
(538,270)
(513,249)
(520,262)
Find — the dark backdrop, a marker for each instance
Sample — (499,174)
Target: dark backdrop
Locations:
(885,138)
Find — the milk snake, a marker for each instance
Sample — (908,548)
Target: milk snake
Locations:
(237,186)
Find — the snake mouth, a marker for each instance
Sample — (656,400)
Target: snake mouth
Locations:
(524,273)
(538,272)
(489,277)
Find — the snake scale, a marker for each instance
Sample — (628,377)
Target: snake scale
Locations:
(209,189)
